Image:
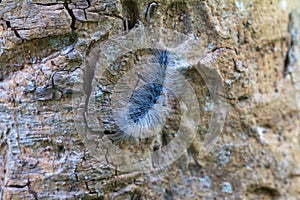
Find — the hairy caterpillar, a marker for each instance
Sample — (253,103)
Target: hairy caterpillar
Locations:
(139,92)
(142,113)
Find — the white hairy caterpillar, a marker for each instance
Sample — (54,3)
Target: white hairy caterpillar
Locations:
(139,91)
(141,113)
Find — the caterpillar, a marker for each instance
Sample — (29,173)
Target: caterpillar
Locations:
(142,113)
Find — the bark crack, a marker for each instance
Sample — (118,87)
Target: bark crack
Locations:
(6,22)
(70,11)
(17,34)
(46,4)
(34,193)
(89,5)
(55,87)
(88,189)
(16,186)
(8,25)
(28,185)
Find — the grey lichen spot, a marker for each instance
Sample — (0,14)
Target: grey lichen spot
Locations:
(224,155)
(226,187)
(240,66)
(205,182)
(98,95)
(23,88)
(30,86)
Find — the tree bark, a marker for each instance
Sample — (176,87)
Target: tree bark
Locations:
(254,45)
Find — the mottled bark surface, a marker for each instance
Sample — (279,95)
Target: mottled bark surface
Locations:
(253,44)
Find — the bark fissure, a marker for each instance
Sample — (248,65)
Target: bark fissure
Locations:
(31,191)
(17,34)
(46,4)
(73,18)
(16,186)
(88,6)
(8,25)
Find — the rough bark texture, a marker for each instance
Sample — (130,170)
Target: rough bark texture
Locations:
(254,45)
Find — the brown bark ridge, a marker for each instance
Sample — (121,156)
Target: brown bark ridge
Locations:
(253,44)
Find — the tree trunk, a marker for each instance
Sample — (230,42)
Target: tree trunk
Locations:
(50,71)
